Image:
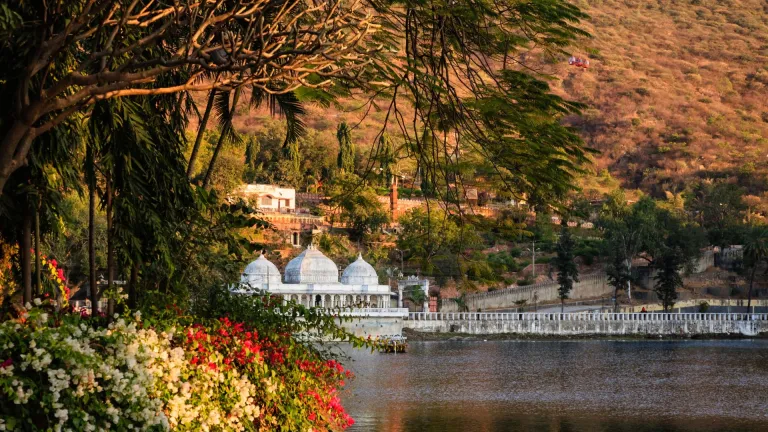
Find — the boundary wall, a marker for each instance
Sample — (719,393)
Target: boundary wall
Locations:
(589,286)
(573,324)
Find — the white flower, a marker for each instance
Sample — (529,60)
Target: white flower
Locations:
(62,415)
(27,305)
(38,302)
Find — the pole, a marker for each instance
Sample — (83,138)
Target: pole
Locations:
(534,261)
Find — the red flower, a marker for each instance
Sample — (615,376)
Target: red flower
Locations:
(54,263)
(311,416)
(6,363)
(212,366)
(194,361)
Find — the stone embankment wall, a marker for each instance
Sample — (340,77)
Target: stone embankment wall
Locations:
(589,324)
(589,286)
(373,327)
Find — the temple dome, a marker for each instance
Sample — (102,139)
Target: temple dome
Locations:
(260,271)
(360,273)
(311,267)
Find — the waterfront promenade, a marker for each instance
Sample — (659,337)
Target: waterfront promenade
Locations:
(588,324)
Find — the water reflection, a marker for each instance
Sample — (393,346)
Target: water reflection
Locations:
(563,386)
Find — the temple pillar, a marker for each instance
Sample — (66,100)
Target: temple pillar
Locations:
(399,296)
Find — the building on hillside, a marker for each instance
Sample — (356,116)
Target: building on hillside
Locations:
(270,198)
(312,280)
(278,206)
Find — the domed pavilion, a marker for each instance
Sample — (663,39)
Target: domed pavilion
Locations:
(312,279)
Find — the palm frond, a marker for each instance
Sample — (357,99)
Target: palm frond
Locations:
(224,111)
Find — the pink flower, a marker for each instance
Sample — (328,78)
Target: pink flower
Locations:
(54,263)
(6,363)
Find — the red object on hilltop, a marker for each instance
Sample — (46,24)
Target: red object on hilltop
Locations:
(578,62)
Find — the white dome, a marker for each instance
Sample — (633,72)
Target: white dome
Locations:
(360,273)
(311,267)
(260,271)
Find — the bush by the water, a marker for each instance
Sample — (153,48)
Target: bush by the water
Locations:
(60,371)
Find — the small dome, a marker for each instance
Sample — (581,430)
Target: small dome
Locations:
(311,267)
(360,273)
(260,271)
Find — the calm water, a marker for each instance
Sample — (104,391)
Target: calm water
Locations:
(562,386)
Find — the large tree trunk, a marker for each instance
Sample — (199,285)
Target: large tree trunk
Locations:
(25,246)
(92,249)
(14,147)
(220,144)
(38,278)
(110,250)
(200,130)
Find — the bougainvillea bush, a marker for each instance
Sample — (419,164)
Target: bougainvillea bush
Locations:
(61,371)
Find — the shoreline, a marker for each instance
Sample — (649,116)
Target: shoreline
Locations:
(413,335)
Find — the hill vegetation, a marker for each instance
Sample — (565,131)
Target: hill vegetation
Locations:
(675,94)
(676,91)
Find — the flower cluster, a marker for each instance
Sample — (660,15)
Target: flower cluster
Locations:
(61,373)
(55,281)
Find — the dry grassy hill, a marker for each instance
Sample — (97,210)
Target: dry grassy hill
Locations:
(677,89)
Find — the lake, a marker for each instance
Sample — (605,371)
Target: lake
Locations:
(588,385)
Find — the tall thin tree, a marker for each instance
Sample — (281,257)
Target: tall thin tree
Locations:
(567,270)
(346,158)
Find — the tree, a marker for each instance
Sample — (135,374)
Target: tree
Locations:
(668,278)
(719,209)
(567,270)
(755,253)
(346,159)
(387,158)
(673,244)
(62,57)
(626,229)
(359,205)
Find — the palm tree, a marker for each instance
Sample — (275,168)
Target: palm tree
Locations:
(755,252)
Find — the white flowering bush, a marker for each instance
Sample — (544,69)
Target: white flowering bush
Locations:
(62,372)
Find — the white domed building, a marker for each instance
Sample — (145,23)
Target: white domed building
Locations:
(312,279)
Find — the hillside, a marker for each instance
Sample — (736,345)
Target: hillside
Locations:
(677,90)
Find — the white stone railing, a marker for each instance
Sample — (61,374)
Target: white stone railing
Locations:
(507,316)
(370,312)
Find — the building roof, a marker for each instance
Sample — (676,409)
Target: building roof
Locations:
(260,271)
(360,273)
(311,267)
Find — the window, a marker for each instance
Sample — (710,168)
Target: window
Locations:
(266,201)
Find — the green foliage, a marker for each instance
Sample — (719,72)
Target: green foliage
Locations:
(300,164)
(668,279)
(436,241)
(564,261)
(718,208)
(335,246)
(345,161)
(626,230)
(359,205)
(663,236)
(503,262)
